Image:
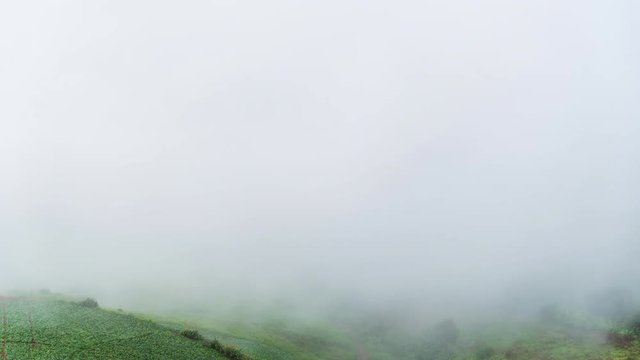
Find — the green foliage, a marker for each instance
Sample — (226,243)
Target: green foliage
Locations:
(634,326)
(49,329)
(191,334)
(229,351)
(89,303)
(215,345)
(58,330)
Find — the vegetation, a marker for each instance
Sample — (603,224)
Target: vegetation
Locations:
(557,334)
(191,334)
(634,326)
(232,352)
(45,327)
(41,328)
(228,351)
(89,302)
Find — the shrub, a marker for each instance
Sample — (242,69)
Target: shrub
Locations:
(191,334)
(89,303)
(634,326)
(216,345)
(619,340)
(232,352)
(228,351)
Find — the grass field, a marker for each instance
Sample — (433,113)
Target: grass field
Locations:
(262,339)
(568,337)
(50,327)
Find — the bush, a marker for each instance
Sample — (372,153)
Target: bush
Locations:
(191,334)
(634,326)
(216,345)
(89,303)
(232,352)
(228,351)
(619,340)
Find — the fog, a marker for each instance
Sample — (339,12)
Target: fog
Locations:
(453,152)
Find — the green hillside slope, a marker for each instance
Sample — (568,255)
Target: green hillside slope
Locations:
(45,327)
(39,328)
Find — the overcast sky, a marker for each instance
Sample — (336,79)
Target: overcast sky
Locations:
(387,147)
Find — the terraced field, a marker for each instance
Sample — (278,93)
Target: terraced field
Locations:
(40,328)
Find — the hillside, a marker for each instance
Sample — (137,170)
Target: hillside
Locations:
(55,327)
(52,327)
(42,328)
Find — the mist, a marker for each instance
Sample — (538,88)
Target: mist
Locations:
(450,153)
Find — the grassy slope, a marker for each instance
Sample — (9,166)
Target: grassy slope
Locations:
(267,340)
(41,328)
(44,328)
(270,340)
